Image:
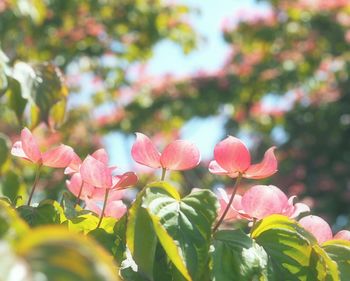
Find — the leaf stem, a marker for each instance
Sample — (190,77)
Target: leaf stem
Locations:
(103,208)
(163,174)
(37,175)
(229,203)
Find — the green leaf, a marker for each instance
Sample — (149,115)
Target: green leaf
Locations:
(42,85)
(294,252)
(15,100)
(49,88)
(236,254)
(183,226)
(339,251)
(12,227)
(83,223)
(140,237)
(11,186)
(48,212)
(57,254)
(68,205)
(5,145)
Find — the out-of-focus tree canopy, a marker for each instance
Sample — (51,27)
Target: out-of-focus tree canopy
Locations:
(285,81)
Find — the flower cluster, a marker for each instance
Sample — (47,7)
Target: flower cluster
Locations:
(96,183)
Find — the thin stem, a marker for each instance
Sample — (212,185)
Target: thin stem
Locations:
(254,223)
(229,203)
(103,208)
(79,194)
(37,175)
(163,174)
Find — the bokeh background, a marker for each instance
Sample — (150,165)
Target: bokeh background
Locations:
(273,72)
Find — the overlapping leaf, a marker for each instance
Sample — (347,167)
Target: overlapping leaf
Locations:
(183,226)
(294,252)
(237,255)
(339,251)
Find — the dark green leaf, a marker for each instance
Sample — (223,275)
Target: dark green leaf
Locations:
(339,251)
(10,186)
(15,100)
(183,226)
(237,255)
(140,237)
(294,252)
(5,146)
(48,212)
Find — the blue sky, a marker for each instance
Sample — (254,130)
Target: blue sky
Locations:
(168,58)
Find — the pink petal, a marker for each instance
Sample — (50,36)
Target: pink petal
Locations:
(96,173)
(125,180)
(342,235)
(223,201)
(232,155)
(144,152)
(30,146)
(92,205)
(115,209)
(294,210)
(318,227)
(215,168)
(101,155)
(114,194)
(58,157)
(74,185)
(180,155)
(261,201)
(17,150)
(264,169)
(74,165)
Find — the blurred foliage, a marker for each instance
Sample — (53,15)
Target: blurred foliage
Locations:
(285,82)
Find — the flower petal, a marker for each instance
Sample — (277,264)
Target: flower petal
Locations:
(215,168)
(115,209)
(91,204)
(17,150)
(114,194)
(264,169)
(294,210)
(125,180)
(180,155)
(96,173)
(232,155)
(261,201)
(58,157)
(318,227)
(74,185)
(144,152)
(30,146)
(101,155)
(74,165)
(233,210)
(342,235)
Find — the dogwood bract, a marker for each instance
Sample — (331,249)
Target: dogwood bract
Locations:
(232,158)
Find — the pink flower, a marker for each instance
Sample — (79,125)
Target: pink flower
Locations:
(75,164)
(28,148)
(114,206)
(261,201)
(178,155)
(99,175)
(319,228)
(232,158)
(78,187)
